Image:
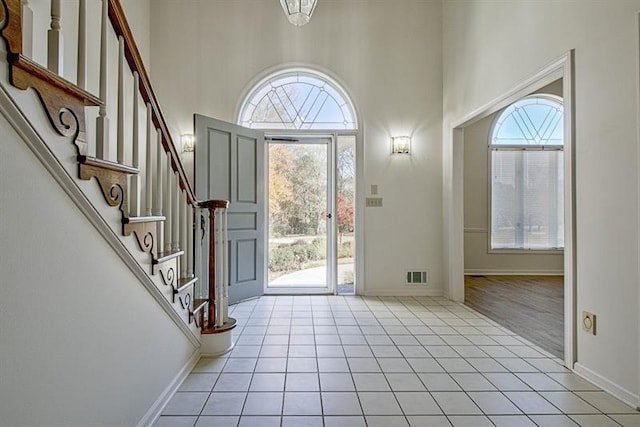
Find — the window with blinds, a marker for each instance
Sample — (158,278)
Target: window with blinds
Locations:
(527,180)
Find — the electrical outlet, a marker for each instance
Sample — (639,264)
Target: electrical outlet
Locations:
(589,322)
(373,202)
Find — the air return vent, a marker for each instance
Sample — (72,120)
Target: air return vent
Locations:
(419,277)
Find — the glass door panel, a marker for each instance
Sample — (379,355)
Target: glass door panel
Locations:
(345,212)
(299,212)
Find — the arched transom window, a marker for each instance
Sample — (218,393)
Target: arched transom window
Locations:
(527,175)
(534,120)
(298,100)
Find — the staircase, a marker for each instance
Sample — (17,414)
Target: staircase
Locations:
(106,142)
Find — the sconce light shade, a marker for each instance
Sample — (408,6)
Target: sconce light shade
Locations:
(401,144)
(188,143)
(298,11)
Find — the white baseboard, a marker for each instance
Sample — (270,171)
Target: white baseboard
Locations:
(158,406)
(497,272)
(615,390)
(414,291)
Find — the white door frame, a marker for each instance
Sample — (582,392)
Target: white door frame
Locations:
(453,167)
(359,208)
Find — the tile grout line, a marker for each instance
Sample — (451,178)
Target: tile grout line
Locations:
(377,310)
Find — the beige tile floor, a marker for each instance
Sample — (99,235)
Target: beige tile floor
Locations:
(332,361)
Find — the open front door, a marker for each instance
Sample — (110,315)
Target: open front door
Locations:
(229,165)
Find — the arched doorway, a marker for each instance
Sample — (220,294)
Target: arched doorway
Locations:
(311,129)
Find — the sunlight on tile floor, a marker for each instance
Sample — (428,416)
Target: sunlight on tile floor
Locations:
(331,361)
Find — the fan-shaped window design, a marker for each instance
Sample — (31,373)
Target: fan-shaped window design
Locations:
(535,120)
(527,175)
(298,99)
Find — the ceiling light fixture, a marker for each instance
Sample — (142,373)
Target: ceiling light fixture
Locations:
(298,11)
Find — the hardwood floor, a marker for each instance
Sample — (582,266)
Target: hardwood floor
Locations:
(531,306)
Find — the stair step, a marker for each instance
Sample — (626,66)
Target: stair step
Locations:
(112,178)
(64,102)
(198,306)
(142,219)
(167,256)
(229,324)
(183,284)
(108,165)
(144,228)
(53,79)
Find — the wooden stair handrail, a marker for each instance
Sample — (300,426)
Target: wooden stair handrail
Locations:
(10,20)
(65,102)
(134,59)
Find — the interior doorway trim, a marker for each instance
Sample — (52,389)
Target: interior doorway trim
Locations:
(562,68)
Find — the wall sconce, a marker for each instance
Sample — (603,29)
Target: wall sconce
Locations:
(188,143)
(401,144)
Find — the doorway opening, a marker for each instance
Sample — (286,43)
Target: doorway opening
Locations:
(457,255)
(311,214)
(513,210)
(312,147)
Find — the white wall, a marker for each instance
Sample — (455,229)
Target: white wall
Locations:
(138,14)
(387,55)
(477,258)
(83,342)
(492,46)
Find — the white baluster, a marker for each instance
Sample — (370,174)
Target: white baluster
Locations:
(55,44)
(219,268)
(183,233)
(157,199)
(175,216)
(149,162)
(82,44)
(189,248)
(197,252)
(198,237)
(157,193)
(102,140)
(167,188)
(120,144)
(225,269)
(27,29)
(172,200)
(160,178)
(222,277)
(134,196)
